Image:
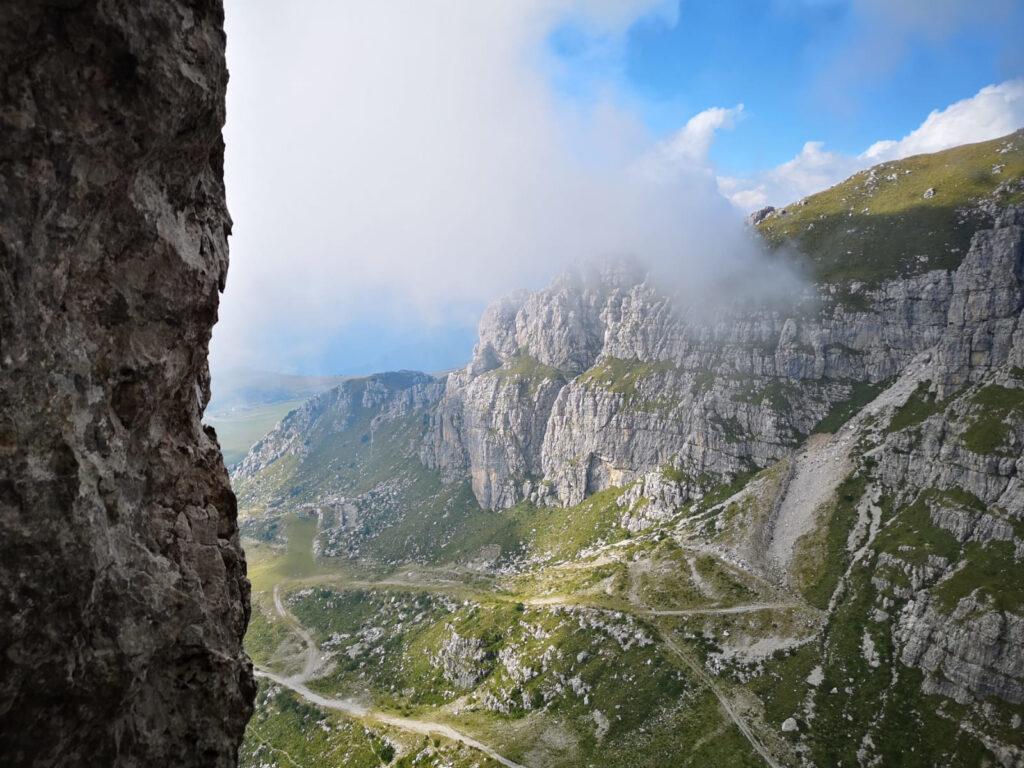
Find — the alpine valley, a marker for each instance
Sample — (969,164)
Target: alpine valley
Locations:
(633,533)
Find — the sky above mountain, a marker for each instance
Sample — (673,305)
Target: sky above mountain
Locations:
(393,166)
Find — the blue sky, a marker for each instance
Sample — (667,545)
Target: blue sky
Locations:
(393,167)
(803,70)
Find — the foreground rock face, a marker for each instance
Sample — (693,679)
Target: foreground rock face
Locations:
(123,594)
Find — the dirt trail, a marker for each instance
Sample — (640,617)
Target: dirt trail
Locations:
(411,725)
(748,608)
(723,700)
(314,661)
(824,462)
(702,674)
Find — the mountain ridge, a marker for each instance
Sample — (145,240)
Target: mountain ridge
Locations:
(793,503)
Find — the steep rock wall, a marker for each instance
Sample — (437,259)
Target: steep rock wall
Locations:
(650,385)
(123,590)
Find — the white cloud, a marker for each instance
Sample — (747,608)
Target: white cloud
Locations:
(692,142)
(994,111)
(412,160)
(814,169)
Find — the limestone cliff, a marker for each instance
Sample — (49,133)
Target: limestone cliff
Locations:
(123,590)
(650,385)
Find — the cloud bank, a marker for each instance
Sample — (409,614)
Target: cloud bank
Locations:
(994,111)
(394,166)
(411,161)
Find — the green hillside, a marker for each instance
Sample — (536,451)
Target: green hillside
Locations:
(904,217)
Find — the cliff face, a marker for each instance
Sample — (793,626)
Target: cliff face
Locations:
(123,595)
(648,385)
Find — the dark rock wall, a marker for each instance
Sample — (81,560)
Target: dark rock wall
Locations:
(123,591)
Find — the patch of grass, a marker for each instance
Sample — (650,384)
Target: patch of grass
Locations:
(993,408)
(627,378)
(912,537)
(992,571)
(861,393)
(675,474)
(783,684)
(298,559)
(264,637)
(731,589)
(702,382)
(875,225)
(287,731)
(719,491)
(600,584)
(964,499)
(425,521)
(919,406)
(270,564)
(778,394)
(694,734)
(662,578)
(551,533)
(563,532)
(524,366)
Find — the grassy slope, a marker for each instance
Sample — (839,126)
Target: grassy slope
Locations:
(876,224)
(240,430)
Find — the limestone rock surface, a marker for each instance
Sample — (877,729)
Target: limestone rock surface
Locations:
(123,590)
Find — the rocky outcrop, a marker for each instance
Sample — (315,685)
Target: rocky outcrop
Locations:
(602,377)
(971,652)
(984,323)
(492,428)
(123,591)
(959,460)
(461,660)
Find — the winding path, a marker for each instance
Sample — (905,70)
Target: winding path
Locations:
(702,674)
(314,660)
